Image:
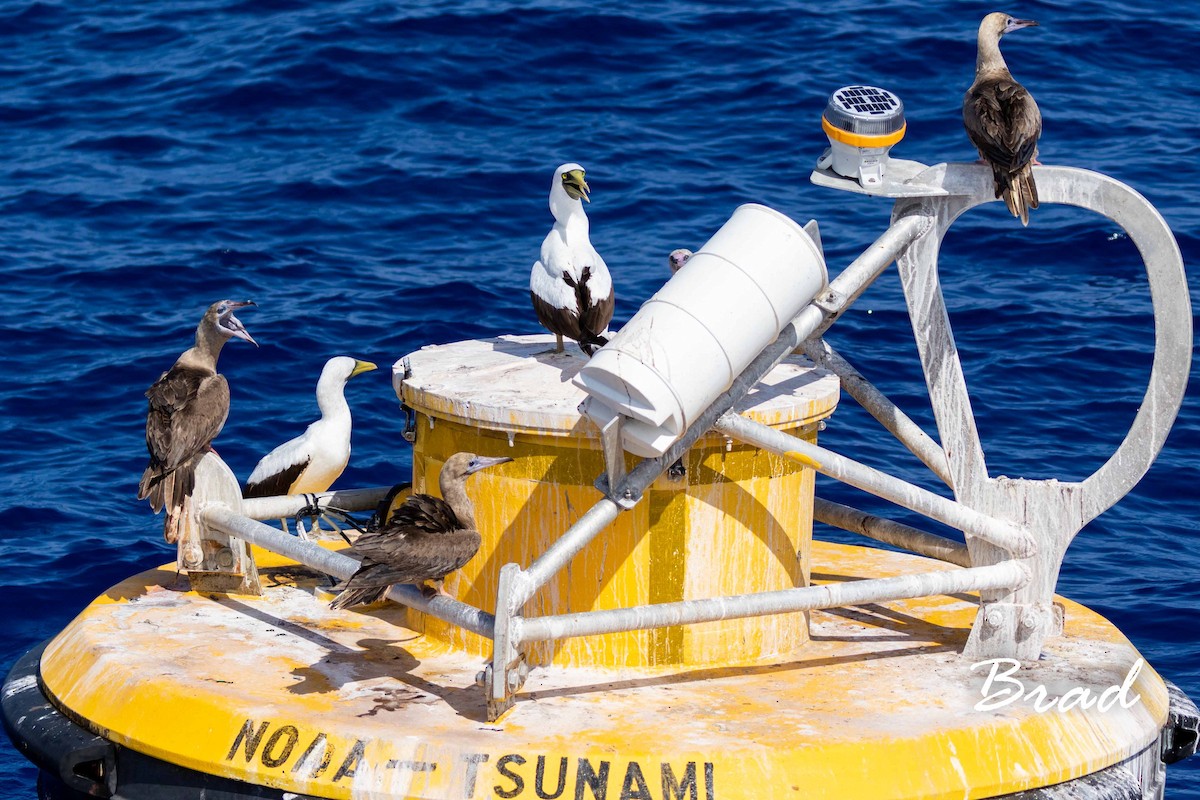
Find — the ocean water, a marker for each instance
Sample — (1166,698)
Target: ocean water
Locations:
(374,175)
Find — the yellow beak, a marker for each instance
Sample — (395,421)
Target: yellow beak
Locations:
(361,366)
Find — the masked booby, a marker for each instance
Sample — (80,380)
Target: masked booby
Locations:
(570,286)
(1002,120)
(188,406)
(678,258)
(312,461)
(425,539)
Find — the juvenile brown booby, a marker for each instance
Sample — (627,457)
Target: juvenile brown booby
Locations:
(188,406)
(1002,120)
(312,461)
(570,286)
(678,258)
(425,539)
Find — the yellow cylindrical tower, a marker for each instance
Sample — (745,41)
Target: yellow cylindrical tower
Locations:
(725,504)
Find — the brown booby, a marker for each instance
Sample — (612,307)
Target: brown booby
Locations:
(188,406)
(1002,120)
(678,258)
(425,539)
(312,461)
(571,289)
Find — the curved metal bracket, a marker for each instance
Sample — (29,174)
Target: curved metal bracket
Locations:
(1053,511)
(213,560)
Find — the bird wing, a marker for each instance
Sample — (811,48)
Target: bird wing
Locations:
(188,408)
(279,469)
(264,482)
(596,310)
(426,514)
(417,518)
(556,319)
(1003,122)
(553,299)
(546,278)
(415,558)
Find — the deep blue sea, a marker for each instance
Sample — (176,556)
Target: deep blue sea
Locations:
(374,175)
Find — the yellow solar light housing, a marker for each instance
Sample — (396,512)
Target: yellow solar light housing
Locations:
(862,123)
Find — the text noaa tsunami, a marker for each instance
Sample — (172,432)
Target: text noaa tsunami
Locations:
(316,756)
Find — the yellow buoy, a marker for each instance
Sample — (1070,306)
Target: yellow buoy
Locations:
(874,702)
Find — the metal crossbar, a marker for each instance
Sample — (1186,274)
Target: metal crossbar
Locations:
(1006,575)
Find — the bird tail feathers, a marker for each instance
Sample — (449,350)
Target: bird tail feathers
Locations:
(1019,192)
(153,485)
(171,491)
(358,597)
(589,341)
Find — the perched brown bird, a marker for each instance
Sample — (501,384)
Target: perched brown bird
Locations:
(425,539)
(1002,120)
(188,407)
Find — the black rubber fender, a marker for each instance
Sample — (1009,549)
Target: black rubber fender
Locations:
(79,759)
(1182,732)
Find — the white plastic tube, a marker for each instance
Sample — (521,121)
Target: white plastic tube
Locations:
(689,341)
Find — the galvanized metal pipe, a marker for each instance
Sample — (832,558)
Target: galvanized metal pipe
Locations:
(1006,575)
(555,557)
(890,532)
(342,567)
(905,229)
(291,504)
(876,403)
(1005,535)
(843,290)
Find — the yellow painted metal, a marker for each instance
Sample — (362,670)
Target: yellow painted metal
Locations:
(279,690)
(738,521)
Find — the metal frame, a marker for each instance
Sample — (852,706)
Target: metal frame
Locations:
(1016,531)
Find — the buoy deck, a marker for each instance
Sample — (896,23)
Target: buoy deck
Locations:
(279,690)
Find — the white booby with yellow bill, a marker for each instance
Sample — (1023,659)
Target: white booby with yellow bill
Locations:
(312,461)
(571,289)
(188,406)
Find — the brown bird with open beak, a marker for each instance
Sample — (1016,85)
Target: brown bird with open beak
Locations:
(188,407)
(1002,120)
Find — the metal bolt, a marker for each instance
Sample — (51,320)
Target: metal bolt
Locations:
(1030,621)
(225,558)
(192,557)
(994,618)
